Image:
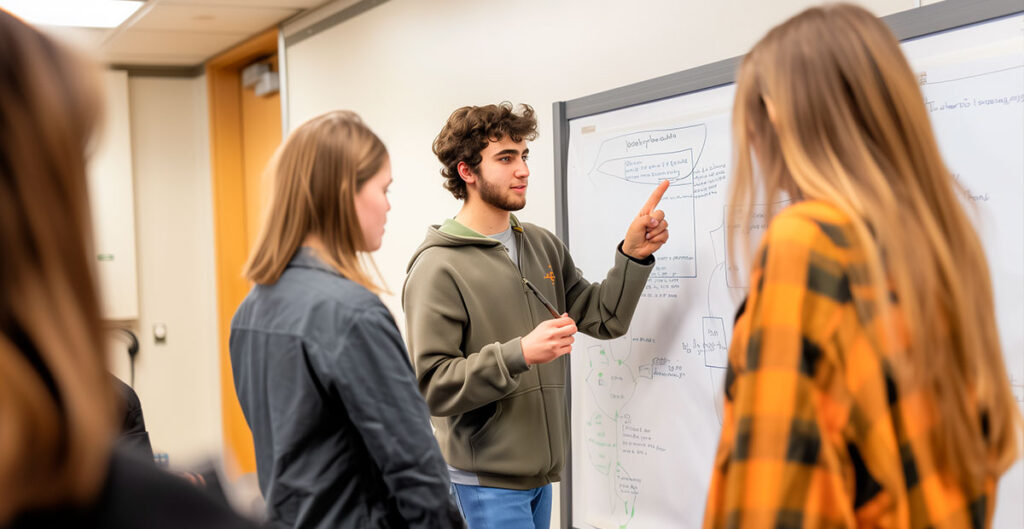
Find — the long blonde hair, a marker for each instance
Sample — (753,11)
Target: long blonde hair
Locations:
(317,173)
(830,106)
(56,405)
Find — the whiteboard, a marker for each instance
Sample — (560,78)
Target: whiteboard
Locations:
(646,408)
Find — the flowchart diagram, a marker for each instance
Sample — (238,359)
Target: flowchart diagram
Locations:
(674,358)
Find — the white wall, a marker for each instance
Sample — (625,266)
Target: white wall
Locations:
(112,204)
(407,64)
(177,381)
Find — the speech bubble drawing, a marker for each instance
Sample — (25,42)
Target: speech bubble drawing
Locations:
(650,156)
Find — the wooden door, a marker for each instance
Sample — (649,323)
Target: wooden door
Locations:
(245,129)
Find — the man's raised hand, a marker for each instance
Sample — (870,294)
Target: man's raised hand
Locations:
(649,230)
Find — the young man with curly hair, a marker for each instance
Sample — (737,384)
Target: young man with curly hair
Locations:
(492,305)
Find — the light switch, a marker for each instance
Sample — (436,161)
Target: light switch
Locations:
(160,332)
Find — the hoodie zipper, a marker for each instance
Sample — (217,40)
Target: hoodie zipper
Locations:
(518,236)
(530,286)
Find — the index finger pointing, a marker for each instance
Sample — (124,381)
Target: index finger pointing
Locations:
(655,197)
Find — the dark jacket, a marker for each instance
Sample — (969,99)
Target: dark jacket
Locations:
(138,494)
(133,436)
(342,435)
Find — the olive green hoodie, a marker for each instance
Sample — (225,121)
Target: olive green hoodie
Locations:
(467,306)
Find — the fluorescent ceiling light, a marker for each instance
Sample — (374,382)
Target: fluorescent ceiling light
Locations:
(80,13)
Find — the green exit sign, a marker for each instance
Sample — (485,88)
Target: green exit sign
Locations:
(105,257)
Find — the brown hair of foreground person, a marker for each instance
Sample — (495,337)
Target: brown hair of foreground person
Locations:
(56,409)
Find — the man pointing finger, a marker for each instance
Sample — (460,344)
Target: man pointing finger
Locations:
(492,305)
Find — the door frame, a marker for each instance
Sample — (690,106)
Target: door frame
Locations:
(223,78)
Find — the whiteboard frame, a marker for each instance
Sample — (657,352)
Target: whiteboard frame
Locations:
(906,25)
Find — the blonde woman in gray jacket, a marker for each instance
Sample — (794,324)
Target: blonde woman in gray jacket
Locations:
(341,434)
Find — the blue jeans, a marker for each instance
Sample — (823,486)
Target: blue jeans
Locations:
(492,508)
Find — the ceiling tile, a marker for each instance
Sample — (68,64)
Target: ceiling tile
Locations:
(88,39)
(166,43)
(210,19)
(150,59)
(288,4)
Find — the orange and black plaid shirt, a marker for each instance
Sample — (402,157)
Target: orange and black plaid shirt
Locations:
(816,432)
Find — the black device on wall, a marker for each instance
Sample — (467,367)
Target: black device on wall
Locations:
(132,349)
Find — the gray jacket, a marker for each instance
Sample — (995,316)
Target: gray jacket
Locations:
(342,435)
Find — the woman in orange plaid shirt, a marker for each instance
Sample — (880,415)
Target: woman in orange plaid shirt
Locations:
(866,384)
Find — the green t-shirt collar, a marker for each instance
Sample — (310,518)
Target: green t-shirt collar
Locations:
(454,227)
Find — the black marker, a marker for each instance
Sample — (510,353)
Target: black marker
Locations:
(547,304)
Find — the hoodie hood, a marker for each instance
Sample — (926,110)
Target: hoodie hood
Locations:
(453,233)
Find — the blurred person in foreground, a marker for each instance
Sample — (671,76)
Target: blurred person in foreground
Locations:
(57,402)
(342,434)
(866,385)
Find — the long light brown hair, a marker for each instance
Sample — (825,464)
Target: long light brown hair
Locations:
(830,107)
(317,172)
(56,407)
